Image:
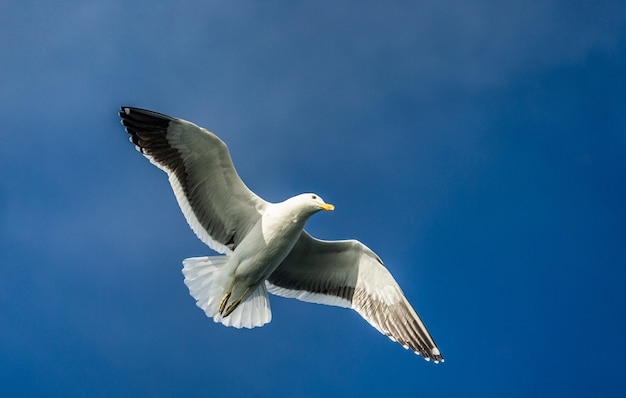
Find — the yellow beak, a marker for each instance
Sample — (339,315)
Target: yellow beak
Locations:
(327,206)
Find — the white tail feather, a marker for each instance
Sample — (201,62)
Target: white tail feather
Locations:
(208,285)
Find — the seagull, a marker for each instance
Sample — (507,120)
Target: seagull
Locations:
(264,245)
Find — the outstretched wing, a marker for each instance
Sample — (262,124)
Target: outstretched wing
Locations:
(216,203)
(348,274)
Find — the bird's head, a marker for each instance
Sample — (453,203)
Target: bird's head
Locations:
(313,202)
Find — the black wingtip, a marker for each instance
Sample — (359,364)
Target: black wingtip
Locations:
(132,112)
(143,118)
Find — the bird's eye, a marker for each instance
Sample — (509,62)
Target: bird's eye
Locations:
(314,197)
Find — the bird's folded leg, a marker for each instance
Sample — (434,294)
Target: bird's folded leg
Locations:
(226,297)
(234,305)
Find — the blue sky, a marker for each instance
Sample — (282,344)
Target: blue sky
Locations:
(478,148)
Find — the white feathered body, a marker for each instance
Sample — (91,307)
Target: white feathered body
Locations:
(269,241)
(263,249)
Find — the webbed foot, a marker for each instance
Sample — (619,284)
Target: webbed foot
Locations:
(226,297)
(234,305)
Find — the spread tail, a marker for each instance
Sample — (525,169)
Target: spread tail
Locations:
(207,283)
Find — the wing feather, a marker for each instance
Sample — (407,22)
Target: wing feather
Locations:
(348,274)
(216,203)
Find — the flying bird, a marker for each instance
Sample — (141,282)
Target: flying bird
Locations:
(264,245)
